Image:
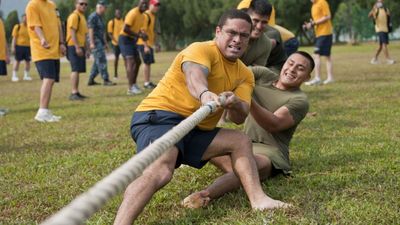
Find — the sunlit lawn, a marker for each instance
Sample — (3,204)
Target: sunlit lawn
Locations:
(346,159)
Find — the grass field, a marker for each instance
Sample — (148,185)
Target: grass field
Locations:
(346,159)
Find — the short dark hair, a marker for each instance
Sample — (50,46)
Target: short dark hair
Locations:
(234,14)
(260,7)
(307,56)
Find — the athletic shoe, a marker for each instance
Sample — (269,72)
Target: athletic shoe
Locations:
(390,61)
(108,83)
(80,95)
(149,85)
(28,78)
(14,79)
(3,111)
(328,81)
(374,61)
(313,82)
(75,97)
(47,117)
(92,82)
(134,90)
(115,78)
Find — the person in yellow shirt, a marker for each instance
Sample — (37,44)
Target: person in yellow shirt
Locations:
(114,28)
(198,75)
(47,44)
(132,31)
(4,58)
(21,48)
(76,46)
(149,27)
(321,22)
(381,14)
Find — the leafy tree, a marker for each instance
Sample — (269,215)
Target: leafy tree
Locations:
(11,20)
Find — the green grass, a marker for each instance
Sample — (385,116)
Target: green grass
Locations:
(346,159)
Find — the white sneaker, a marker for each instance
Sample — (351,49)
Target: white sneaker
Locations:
(374,61)
(390,61)
(134,90)
(47,117)
(328,81)
(14,79)
(28,78)
(313,82)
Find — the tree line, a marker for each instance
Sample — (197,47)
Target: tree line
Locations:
(185,21)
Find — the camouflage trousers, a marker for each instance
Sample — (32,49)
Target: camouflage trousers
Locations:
(100,63)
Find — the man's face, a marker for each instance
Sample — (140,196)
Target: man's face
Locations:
(295,71)
(259,24)
(154,8)
(143,5)
(118,14)
(24,19)
(81,5)
(232,38)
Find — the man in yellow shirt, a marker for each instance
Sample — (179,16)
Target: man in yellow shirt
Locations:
(76,46)
(149,27)
(47,43)
(114,28)
(321,22)
(4,58)
(381,14)
(197,76)
(21,48)
(132,31)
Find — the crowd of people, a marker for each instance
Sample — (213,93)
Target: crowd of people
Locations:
(253,62)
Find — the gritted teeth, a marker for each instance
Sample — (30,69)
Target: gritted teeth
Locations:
(235,47)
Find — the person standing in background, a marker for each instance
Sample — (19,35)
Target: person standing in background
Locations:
(4,58)
(114,27)
(20,46)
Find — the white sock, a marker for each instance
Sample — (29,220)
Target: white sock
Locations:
(14,73)
(26,73)
(41,110)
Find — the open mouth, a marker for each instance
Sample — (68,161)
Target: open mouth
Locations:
(234,48)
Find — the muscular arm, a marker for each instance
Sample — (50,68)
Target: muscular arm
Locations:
(237,110)
(279,120)
(196,80)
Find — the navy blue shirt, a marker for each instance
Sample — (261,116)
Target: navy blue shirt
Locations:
(95,22)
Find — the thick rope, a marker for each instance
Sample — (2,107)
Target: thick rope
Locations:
(85,205)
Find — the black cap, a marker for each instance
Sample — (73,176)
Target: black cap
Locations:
(102,2)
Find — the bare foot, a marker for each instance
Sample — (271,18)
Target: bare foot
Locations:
(269,203)
(196,200)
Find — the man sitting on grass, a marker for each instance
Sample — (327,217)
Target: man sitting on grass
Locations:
(277,107)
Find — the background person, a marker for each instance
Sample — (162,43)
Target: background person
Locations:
(20,46)
(321,22)
(4,58)
(114,27)
(148,57)
(76,46)
(380,15)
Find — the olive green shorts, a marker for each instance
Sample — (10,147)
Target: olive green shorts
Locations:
(279,161)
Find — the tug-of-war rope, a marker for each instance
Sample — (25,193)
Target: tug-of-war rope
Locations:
(88,203)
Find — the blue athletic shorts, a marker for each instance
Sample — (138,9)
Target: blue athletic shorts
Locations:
(49,68)
(323,45)
(147,58)
(22,53)
(128,46)
(3,68)
(117,50)
(383,37)
(148,126)
(78,63)
(291,46)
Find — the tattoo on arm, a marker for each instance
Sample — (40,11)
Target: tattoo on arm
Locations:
(186,66)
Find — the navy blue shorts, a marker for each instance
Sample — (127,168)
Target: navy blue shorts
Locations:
(147,58)
(78,63)
(128,46)
(3,68)
(117,50)
(148,126)
(323,45)
(291,46)
(383,37)
(22,53)
(49,68)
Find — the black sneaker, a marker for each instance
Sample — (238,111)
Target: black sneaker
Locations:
(109,83)
(149,85)
(75,97)
(82,96)
(92,82)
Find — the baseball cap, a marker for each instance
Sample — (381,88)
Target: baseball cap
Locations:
(102,2)
(154,2)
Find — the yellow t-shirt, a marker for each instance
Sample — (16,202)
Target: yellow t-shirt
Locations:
(285,33)
(149,28)
(172,94)
(319,9)
(42,13)
(3,43)
(134,19)
(115,27)
(244,4)
(80,29)
(380,20)
(20,33)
